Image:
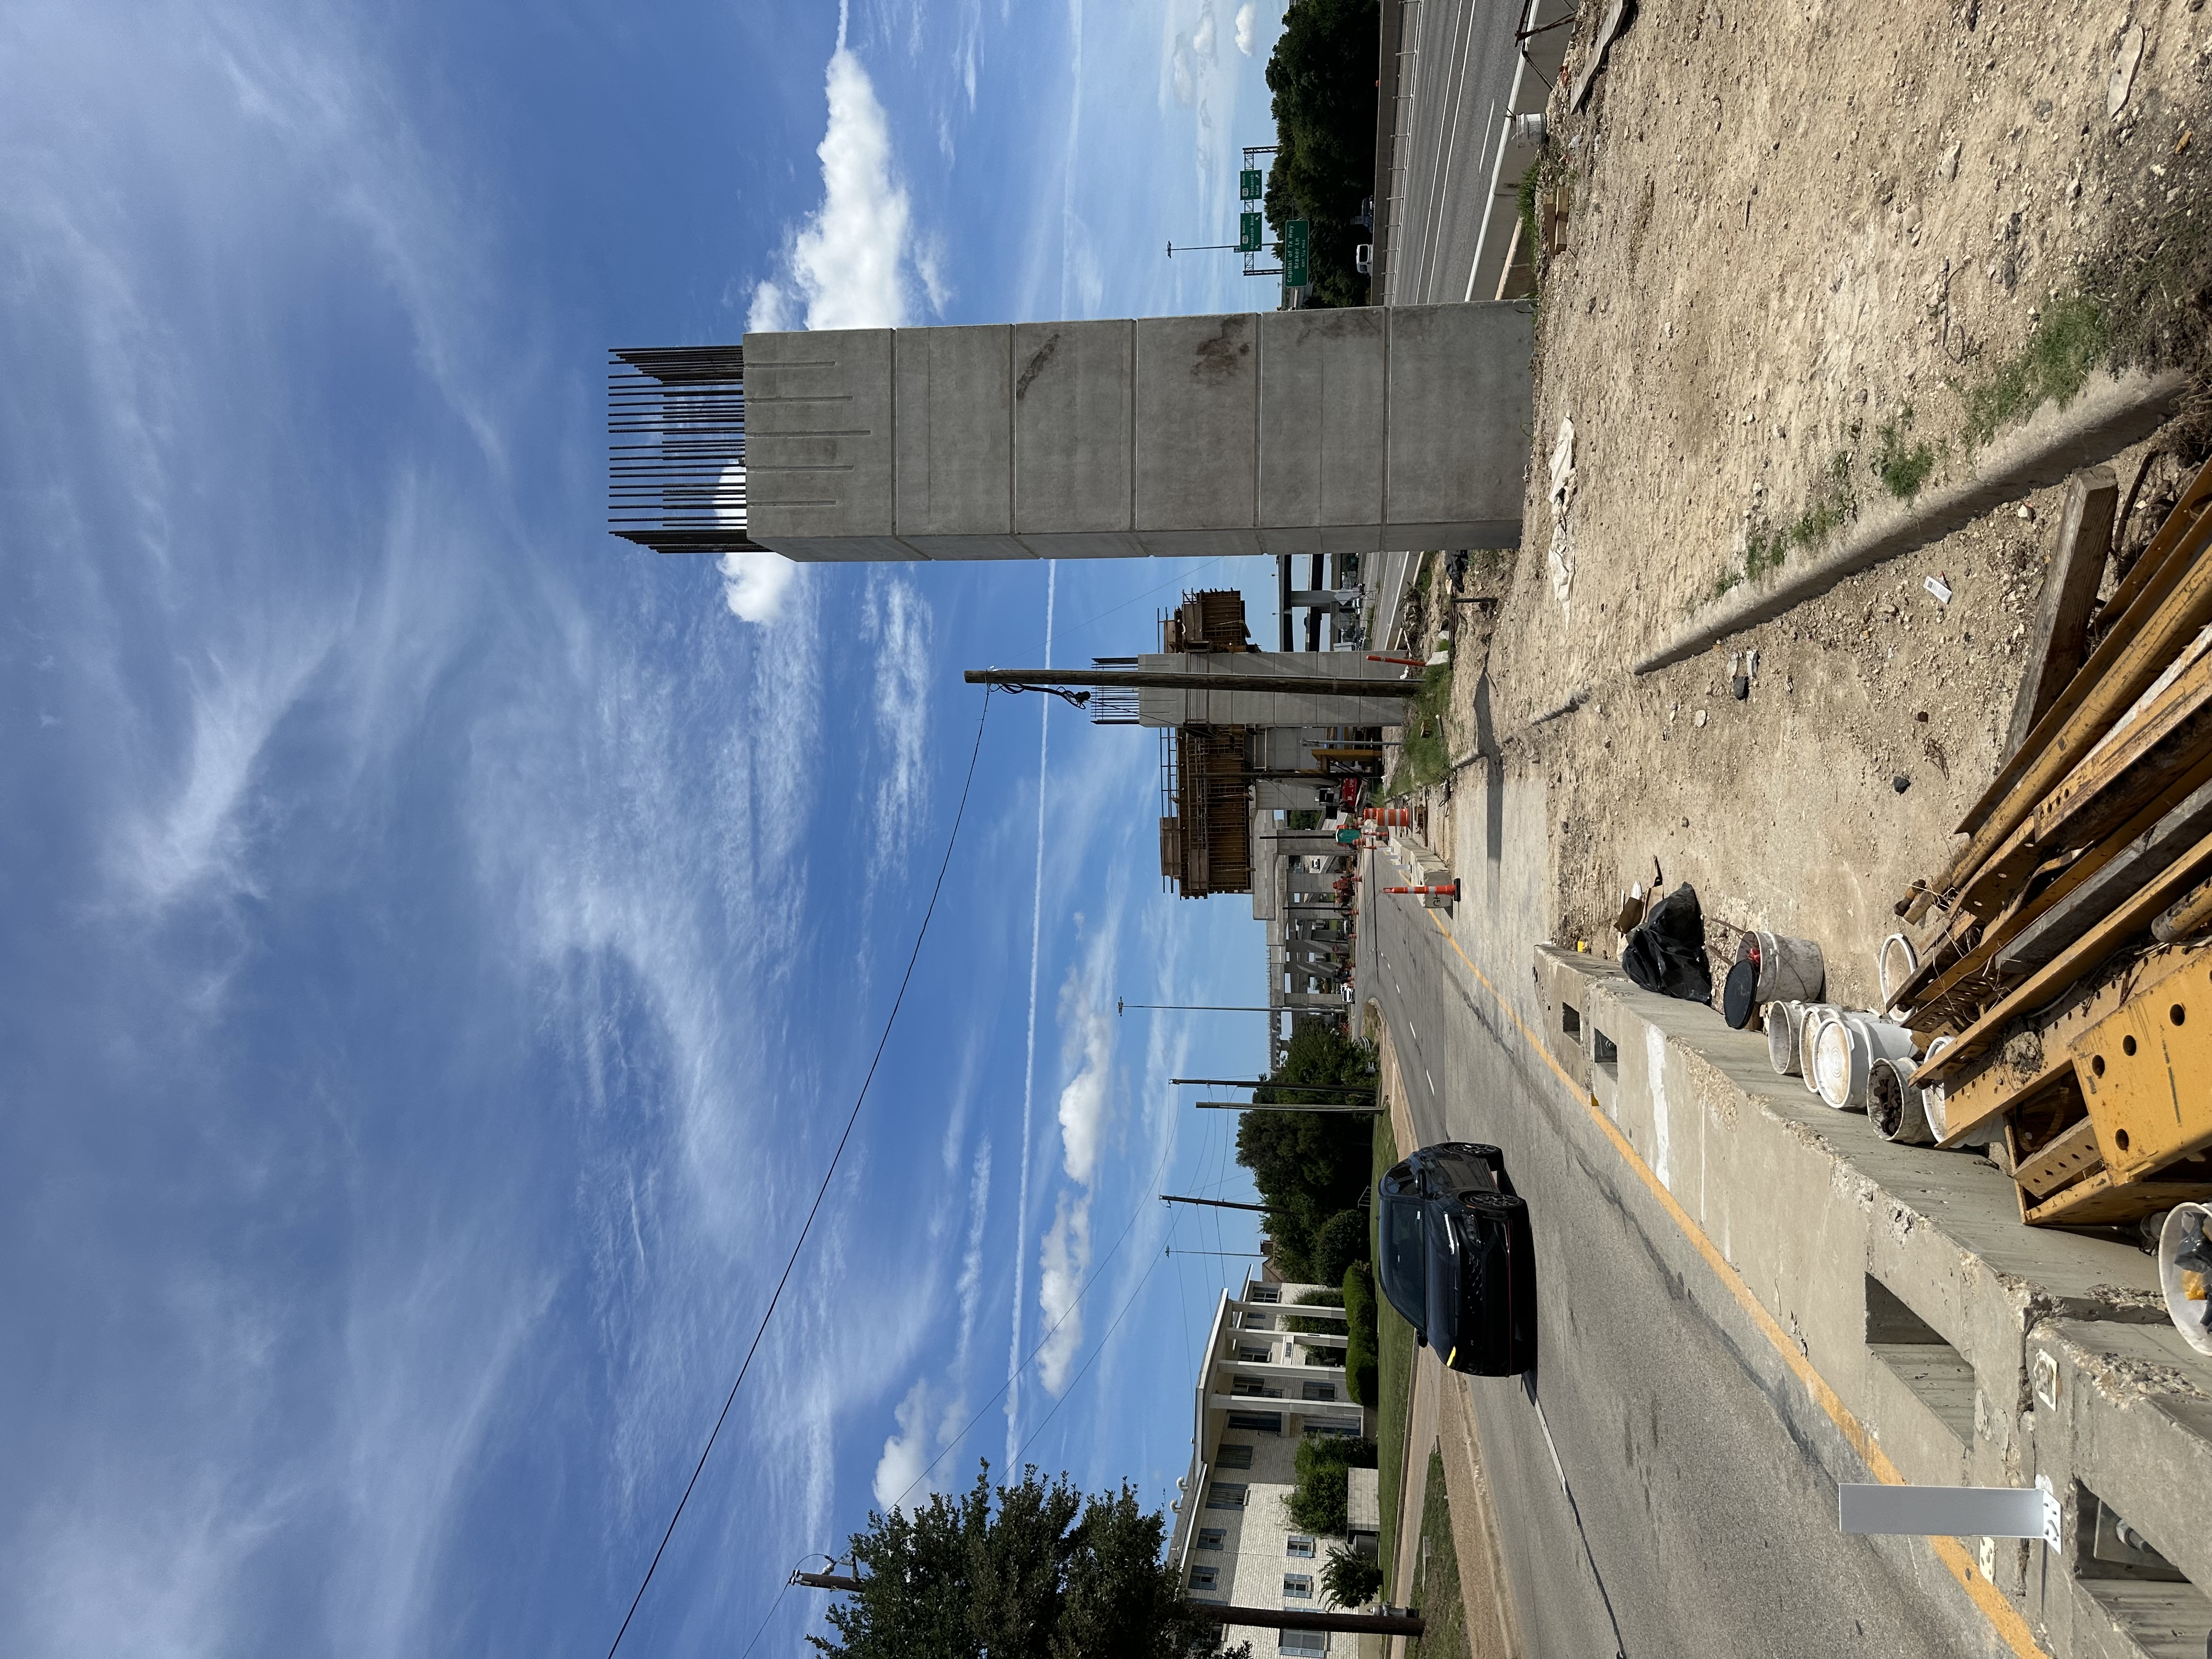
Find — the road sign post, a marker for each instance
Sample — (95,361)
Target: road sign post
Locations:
(1297,244)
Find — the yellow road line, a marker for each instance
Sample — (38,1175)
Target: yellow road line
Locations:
(2001,1612)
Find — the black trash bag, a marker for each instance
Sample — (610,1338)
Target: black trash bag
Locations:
(1667,951)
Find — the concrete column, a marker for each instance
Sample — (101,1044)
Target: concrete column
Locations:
(1304,432)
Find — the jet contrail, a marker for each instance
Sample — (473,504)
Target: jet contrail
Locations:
(1029,1071)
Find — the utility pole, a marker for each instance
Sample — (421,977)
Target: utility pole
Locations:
(1199,1007)
(829,1581)
(1288,1088)
(1322,1109)
(1173,679)
(1212,1203)
(1407,1622)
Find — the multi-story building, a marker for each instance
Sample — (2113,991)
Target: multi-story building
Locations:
(1261,1388)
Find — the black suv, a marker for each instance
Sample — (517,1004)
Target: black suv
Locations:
(1455,1257)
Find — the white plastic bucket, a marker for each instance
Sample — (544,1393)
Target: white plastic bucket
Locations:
(1816,1015)
(1894,963)
(1781,1022)
(1894,1106)
(2184,1222)
(1932,1097)
(1789,970)
(1843,1053)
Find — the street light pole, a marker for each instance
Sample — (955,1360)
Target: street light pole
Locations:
(1199,1007)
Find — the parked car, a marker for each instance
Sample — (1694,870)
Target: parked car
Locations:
(1455,1257)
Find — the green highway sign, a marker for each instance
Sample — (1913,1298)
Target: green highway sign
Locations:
(1248,232)
(1248,185)
(1298,237)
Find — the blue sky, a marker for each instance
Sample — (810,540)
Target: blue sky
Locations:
(441,942)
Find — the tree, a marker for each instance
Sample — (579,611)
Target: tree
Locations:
(1309,1166)
(1046,1573)
(1322,75)
(1350,1579)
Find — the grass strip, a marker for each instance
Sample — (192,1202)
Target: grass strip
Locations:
(1436,1579)
(1394,1362)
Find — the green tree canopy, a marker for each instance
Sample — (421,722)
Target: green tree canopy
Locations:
(1045,1572)
(1309,1166)
(1322,75)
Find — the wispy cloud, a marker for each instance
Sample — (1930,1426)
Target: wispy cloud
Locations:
(895,621)
(1085,1107)
(1062,1263)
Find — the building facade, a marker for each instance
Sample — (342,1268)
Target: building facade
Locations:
(1261,1388)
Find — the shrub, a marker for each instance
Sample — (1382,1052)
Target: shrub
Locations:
(1318,1503)
(1341,1240)
(1318,1299)
(1350,1579)
(1361,1379)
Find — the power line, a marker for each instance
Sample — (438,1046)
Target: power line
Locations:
(1096,1351)
(821,1192)
(1095,1274)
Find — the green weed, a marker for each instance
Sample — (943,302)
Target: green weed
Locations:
(2072,336)
(1903,467)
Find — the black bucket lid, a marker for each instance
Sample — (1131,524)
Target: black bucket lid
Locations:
(1740,996)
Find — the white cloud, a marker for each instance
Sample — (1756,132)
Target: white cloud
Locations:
(906,1453)
(1062,1264)
(1202,39)
(1248,27)
(754,584)
(1183,72)
(847,261)
(1085,1102)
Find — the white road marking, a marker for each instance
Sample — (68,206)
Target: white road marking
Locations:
(1433,1082)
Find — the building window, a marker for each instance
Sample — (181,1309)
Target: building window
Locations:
(1234,1457)
(1254,1356)
(1202,1578)
(1225,1495)
(1211,1538)
(1298,1585)
(1251,1388)
(1317,1391)
(1263,1293)
(1299,1544)
(1258,1422)
(1319,1431)
(1303,1644)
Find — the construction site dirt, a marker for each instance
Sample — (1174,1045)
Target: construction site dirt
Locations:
(1806,268)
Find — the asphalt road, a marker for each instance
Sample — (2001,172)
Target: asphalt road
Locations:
(1705,1478)
(1459,74)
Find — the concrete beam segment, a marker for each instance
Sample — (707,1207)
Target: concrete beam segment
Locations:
(1323,425)
(1285,433)
(1197,436)
(1459,413)
(954,442)
(1074,403)
(818,443)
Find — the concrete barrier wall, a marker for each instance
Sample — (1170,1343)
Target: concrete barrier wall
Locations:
(1974,1350)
